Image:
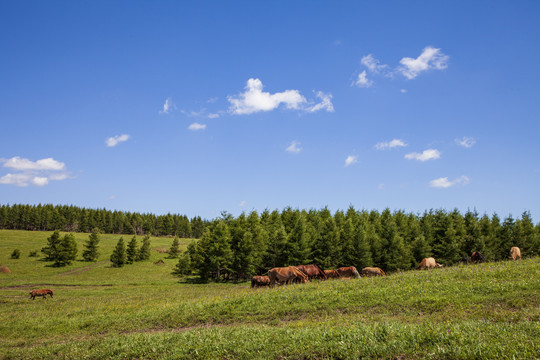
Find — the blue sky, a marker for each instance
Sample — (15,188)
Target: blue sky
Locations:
(199,107)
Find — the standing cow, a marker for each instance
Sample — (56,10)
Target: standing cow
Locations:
(259,281)
(428,263)
(515,253)
(372,271)
(477,257)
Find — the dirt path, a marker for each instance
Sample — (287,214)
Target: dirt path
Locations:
(42,285)
(84,269)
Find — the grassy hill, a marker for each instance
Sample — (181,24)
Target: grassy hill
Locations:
(482,311)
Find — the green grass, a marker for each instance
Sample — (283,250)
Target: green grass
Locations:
(482,311)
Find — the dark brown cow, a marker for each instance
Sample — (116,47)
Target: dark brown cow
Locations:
(332,274)
(259,281)
(372,271)
(515,253)
(349,271)
(428,263)
(477,257)
(41,292)
(286,275)
(313,271)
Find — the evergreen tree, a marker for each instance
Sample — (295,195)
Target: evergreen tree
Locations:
(420,248)
(360,256)
(144,251)
(91,252)
(66,251)
(183,268)
(15,254)
(118,257)
(215,252)
(299,240)
(51,249)
(132,251)
(174,251)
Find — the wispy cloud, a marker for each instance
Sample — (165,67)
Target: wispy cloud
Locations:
(37,173)
(466,142)
(403,91)
(167,107)
(373,64)
(351,159)
(430,58)
(213,116)
(242,203)
(390,144)
(429,154)
(196,126)
(294,147)
(443,182)
(362,80)
(115,140)
(254,99)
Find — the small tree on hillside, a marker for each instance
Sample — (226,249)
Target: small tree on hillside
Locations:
(144,251)
(183,267)
(174,251)
(16,254)
(132,251)
(118,257)
(66,251)
(51,249)
(91,252)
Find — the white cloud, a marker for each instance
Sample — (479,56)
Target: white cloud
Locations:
(167,107)
(373,64)
(255,100)
(443,182)
(294,147)
(37,173)
(431,58)
(351,159)
(212,100)
(403,91)
(326,103)
(196,126)
(362,80)
(113,141)
(18,163)
(429,154)
(390,144)
(467,142)
(242,203)
(213,116)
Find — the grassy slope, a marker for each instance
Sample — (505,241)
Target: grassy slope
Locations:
(483,311)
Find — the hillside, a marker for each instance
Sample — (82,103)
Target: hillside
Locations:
(484,311)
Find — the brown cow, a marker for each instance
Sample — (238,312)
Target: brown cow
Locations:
(515,253)
(332,274)
(349,271)
(312,271)
(428,263)
(41,292)
(286,275)
(258,281)
(477,257)
(372,271)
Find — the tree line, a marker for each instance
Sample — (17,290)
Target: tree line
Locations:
(237,248)
(75,219)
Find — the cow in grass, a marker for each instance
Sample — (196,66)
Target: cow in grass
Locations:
(428,263)
(348,272)
(515,253)
(477,257)
(332,274)
(372,271)
(41,292)
(312,271)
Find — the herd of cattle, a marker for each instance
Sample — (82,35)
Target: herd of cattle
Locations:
(304,273)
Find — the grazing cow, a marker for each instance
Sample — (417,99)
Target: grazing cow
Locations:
(515,253)
(259,281)
(428,263)
(372,271)
(332,274)
(312,271)
(286,275)
(41,292)
(477,257)
(349,271)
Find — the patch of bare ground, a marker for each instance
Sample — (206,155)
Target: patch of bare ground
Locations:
(22,286)
(84,269)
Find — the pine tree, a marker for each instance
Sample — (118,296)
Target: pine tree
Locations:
(67,251)
(174,251)
(118,257)
(91,252)
(183,268)
(215,252)
(420,248)
(361,253)
(15,254)
(51,249)
(132,251)
(144,251)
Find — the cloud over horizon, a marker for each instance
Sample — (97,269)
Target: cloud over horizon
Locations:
(429,154)
(430,58)
(444,183)
(115,140)
(37,173)
(390,144)
(351,159)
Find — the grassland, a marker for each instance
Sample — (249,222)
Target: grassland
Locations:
(482,311)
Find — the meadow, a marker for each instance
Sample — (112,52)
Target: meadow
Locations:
(483,311)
